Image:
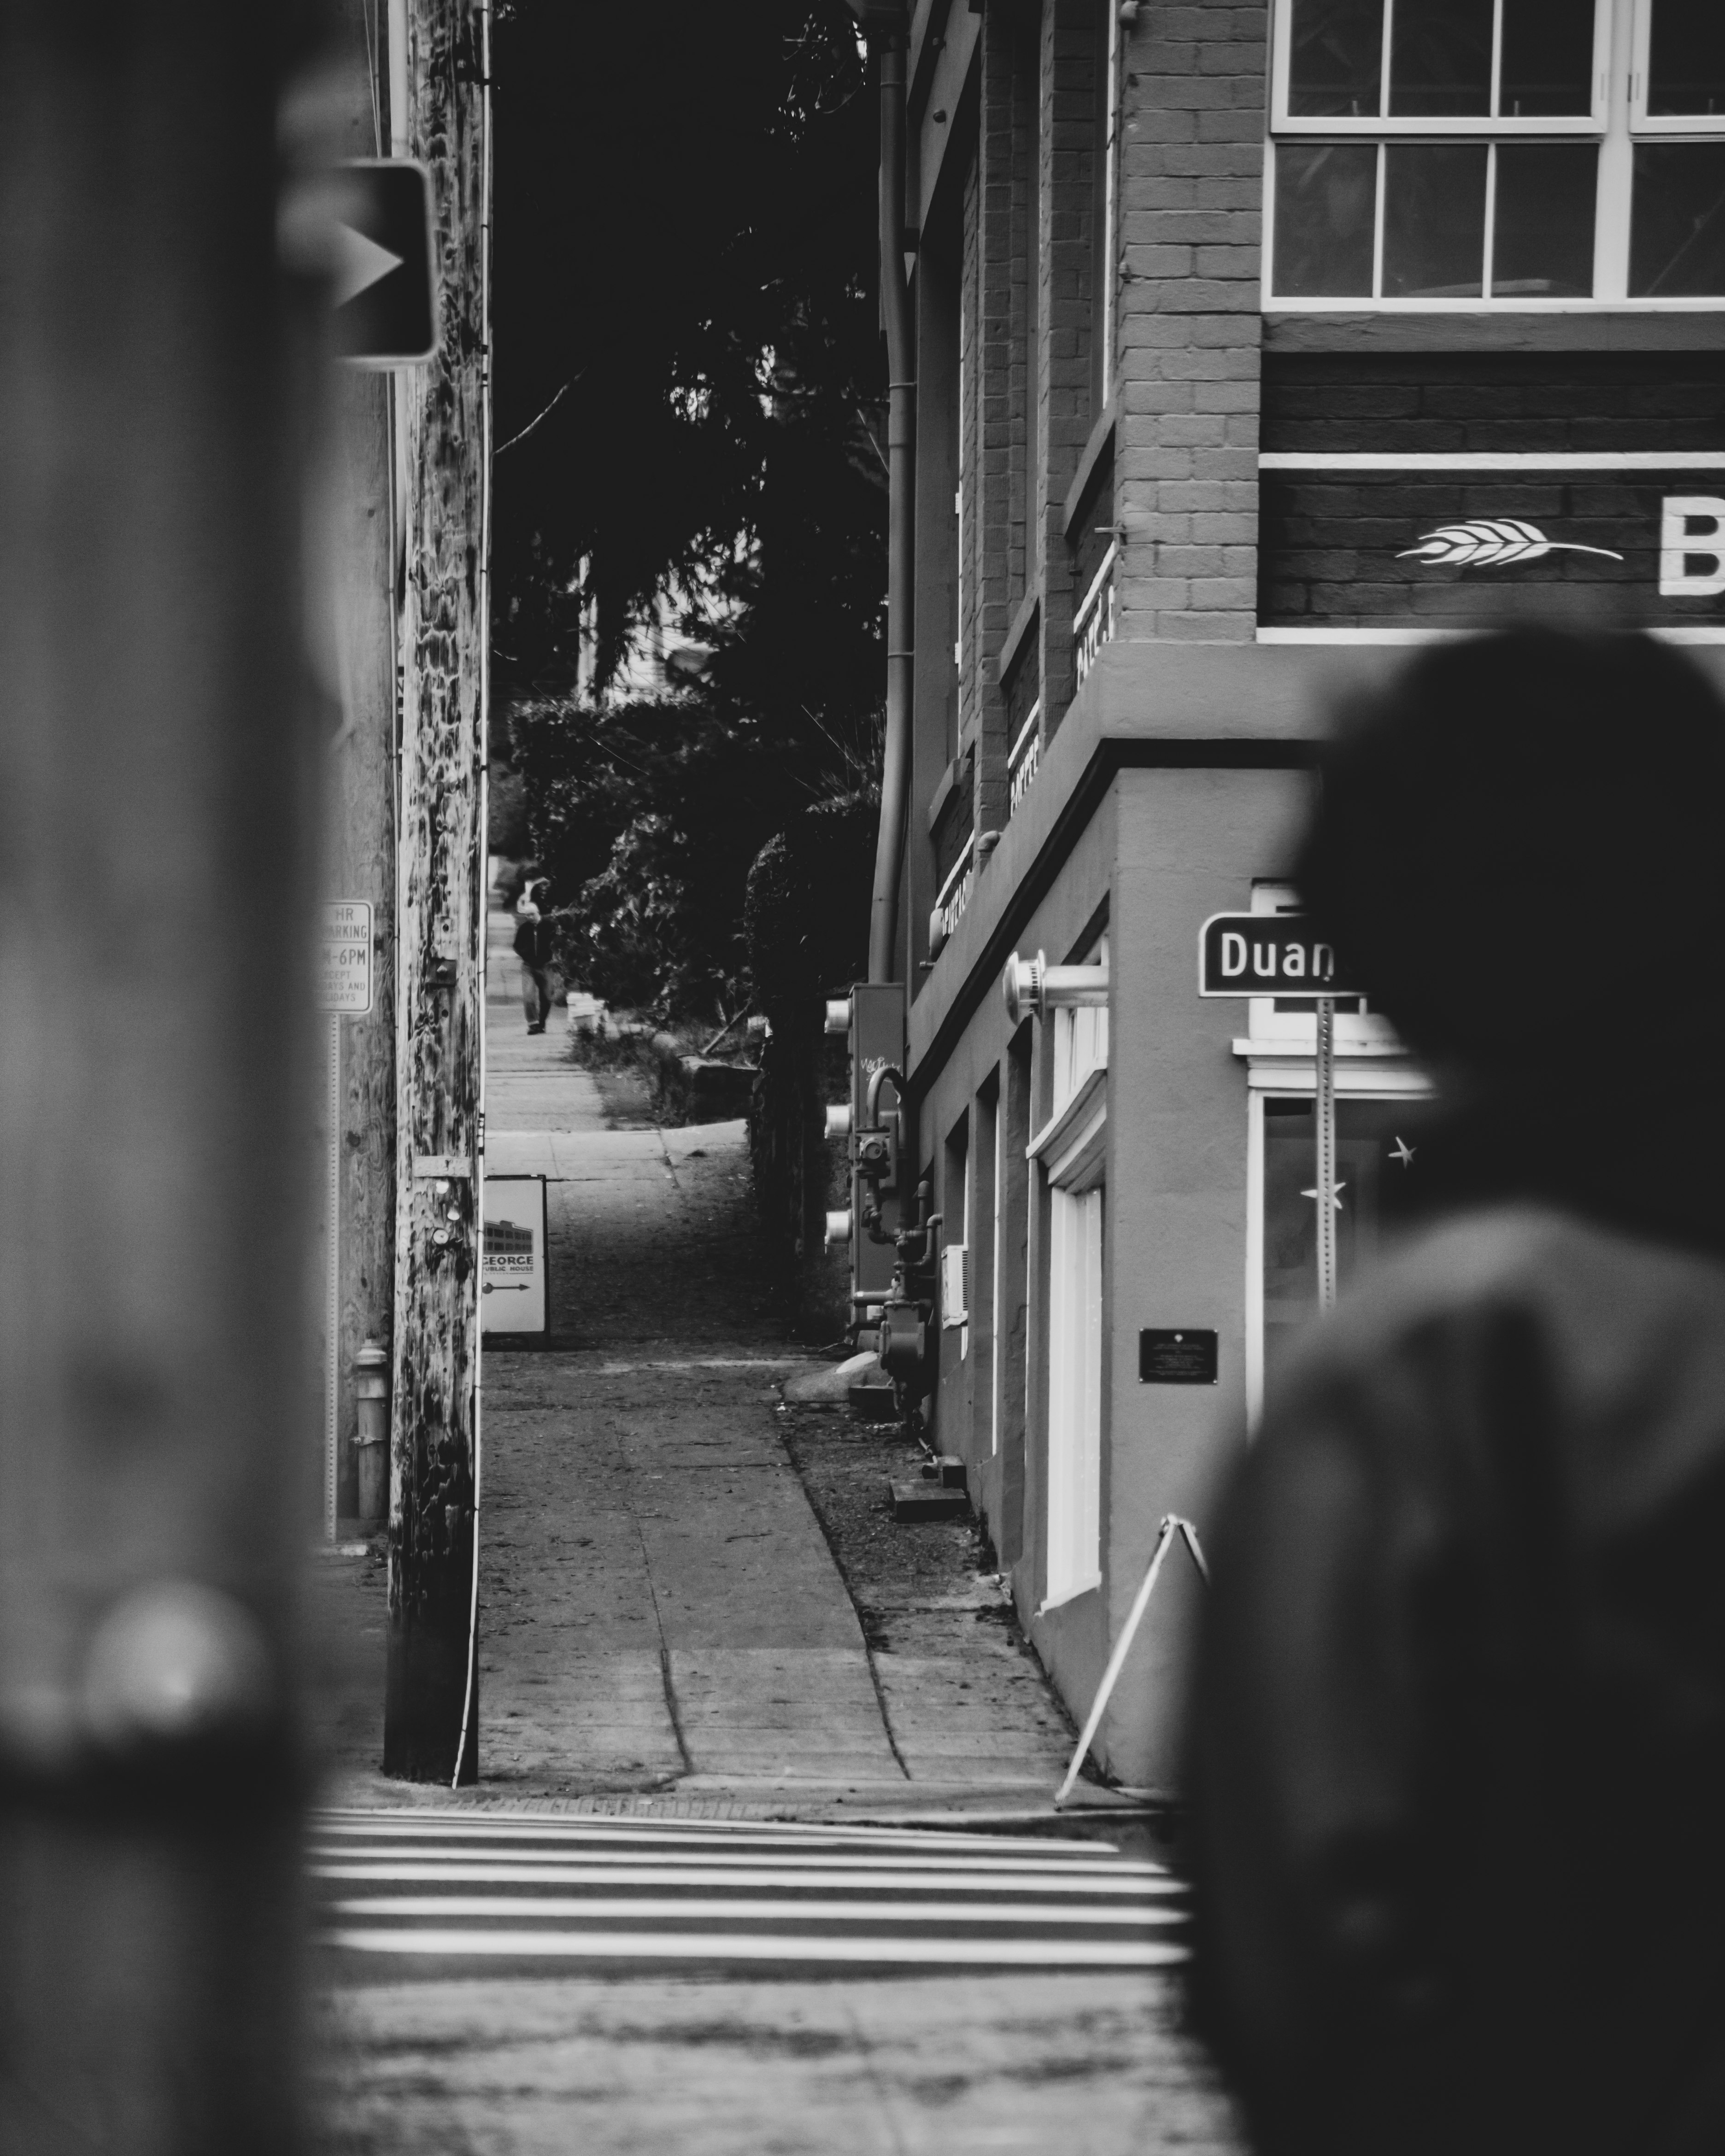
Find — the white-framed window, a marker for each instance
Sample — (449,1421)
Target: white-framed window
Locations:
(1497,153)
(1070,1151)
(1075,1393)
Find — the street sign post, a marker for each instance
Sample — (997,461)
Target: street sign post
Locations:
(344,990)
(1278,955)
(385,294)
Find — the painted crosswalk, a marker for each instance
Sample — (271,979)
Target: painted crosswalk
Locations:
(457,1888)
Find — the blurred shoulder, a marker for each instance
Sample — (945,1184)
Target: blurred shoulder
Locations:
(1606,1305)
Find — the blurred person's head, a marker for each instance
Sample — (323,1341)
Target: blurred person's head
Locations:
(1519,847)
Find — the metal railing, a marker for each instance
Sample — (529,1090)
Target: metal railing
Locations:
(1026,754)
(1093,624)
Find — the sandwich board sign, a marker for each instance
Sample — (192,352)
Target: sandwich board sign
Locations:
(512,1273)
(1267,954)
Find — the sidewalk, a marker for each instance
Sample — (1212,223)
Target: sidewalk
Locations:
(663,1620)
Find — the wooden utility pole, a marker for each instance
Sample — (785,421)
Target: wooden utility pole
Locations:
(431,1726)
(155,930)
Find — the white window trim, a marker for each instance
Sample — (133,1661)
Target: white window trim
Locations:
(997,1324)
(1622,34)
(1072,1146)
(1384,122)
(1069,1155)
(1074,1503)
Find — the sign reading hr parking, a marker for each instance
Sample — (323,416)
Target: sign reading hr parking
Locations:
(344,965)
(1266,954)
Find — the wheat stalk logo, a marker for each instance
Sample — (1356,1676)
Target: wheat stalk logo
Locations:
(1491,543)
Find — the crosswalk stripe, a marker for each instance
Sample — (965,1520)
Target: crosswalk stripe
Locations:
(563,1891)
(787,1860)
(799,1912)
(641,1875)
(709,1947)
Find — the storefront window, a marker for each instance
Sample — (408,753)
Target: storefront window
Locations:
(1376,1141)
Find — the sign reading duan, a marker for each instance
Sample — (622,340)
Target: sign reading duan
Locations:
(1267,954)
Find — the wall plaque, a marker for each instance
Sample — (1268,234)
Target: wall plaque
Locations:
(1185,1356)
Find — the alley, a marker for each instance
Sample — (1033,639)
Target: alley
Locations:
(706,1776)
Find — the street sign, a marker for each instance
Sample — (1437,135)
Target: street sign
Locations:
(344,970)
(1266,954)
(385,294)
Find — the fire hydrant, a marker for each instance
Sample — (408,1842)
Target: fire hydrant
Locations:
(371,1442)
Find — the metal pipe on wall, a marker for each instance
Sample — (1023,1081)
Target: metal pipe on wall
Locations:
(889,39)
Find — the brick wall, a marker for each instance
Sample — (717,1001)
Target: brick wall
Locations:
(1191,198)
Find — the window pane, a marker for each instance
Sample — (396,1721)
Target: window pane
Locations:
(1434,220)
(1336,56)
(1547,58)
(1376,1141)
(1440,57)
(1542,243)
(1686,59)
(1677,223)
(1326,198)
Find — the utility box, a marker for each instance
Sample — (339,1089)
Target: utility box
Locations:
(877,1042)
(513,1285)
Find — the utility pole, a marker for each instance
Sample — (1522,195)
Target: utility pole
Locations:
(431,1724)
(360,799)
(155,930)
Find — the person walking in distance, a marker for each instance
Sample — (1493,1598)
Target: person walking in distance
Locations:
(1455,1745)
(532,945)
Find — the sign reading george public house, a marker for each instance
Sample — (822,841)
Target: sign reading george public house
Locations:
(1266,954)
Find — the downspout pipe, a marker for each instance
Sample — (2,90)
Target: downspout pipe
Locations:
(888,33)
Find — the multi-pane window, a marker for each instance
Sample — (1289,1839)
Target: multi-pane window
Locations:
(1508,150)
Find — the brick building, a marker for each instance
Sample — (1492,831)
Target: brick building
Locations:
(1225,314)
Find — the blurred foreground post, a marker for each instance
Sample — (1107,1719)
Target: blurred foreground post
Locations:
(431,1722)
(154,1401)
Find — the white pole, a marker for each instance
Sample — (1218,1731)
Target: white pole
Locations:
(1326,1152)
(1098,1705)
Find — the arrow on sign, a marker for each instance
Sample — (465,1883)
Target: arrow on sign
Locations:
(360,264)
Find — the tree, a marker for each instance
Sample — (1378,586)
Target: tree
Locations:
(687,340)
(690,388)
